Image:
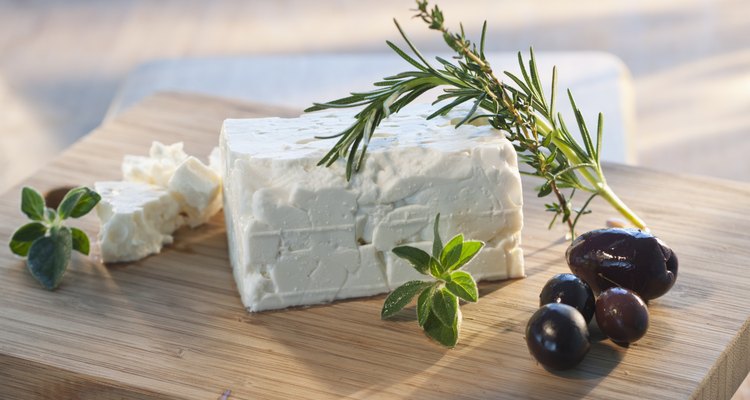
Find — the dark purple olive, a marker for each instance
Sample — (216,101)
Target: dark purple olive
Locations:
(557,336)
(53,198)
(571,290)
(621,315)
(628,258)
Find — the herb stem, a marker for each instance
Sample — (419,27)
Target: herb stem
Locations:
(598,181)
(607,194)
(563,203)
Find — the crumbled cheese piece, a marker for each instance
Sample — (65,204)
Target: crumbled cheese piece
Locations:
(137,219)
(197,188)
(214,160)
(157,168)
(181,186)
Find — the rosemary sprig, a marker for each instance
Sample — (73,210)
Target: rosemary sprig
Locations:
(521,110)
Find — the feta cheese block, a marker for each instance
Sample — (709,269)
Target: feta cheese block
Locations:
(137,219)
(301,234)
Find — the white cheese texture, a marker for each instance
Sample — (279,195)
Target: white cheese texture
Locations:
(160,193)
(137,219)
(300,234)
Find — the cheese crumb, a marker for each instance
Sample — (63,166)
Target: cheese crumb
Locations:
(158,167)
(197,188)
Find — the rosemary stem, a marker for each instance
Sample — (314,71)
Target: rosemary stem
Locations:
(597,181)
(607,194)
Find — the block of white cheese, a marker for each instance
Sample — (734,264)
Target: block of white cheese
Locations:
(137,219)
(160,193)
(301,234)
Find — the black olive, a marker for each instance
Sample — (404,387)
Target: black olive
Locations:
(627,258)
(621,315)
(571,290)
(53,198)
(557,336)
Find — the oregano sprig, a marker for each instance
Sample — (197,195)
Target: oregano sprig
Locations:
(438,311)
(518,107)
(47,242)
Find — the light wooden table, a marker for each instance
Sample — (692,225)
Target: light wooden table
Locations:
(61,63)
(173,326)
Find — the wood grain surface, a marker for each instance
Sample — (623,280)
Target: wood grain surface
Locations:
(172,325)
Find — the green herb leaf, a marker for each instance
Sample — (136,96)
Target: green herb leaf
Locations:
(47,243)
(437,243)
(452,251)
(418,258)
(399,298)
(438,310)
(80,241)
(447,335)
(436,269)
(424,304)
(25,236)
(469,249)
(50,215)
(78,202)
(445,306)
(32,204)
(49,256)
(462,284)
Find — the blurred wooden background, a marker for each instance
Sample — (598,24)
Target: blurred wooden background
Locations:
(61,61)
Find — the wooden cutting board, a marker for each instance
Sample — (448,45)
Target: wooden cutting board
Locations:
(172,325)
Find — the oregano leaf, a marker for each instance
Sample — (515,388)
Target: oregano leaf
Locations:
(446,335)
(399,298)
(436,269)
(445,306)
(85,203)
(80,241)
(32,204)
(49,256)
(424,304)
(78,202)
(438,311)
(47,243)
(418,258)
(452,251)
(437,243)
(69,201)
(469,249)
(20,248)
(21,241)
(462,284)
